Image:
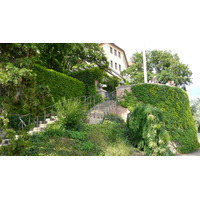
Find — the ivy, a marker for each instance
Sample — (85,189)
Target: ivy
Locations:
(174,104)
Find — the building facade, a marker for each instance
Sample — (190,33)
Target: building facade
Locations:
(117,59)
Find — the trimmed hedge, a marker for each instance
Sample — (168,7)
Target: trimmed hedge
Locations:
(60,85)
(88,77)
(174,104)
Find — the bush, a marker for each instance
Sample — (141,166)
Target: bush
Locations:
(77,135)
(111,83)
(174,104)
(112,118)
(55,132)
(60,85)
(71,114)
(121,148)
(147,130)
(88,77)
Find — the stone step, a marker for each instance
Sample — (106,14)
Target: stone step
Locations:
(42,126)
(95,120)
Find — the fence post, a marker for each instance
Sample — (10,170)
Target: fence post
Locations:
(44,115)
(37,122)
(29,120)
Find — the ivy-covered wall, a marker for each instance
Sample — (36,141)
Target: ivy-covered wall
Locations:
(60,85)
(174,104)
(88,77)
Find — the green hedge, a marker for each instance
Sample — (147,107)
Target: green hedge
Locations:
(59,84)
(174,104)
(88,77)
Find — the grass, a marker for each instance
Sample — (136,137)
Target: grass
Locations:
(106,139)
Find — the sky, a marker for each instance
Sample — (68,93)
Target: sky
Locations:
(171,25)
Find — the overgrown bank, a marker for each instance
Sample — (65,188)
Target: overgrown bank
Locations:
(71,136)
(173,102)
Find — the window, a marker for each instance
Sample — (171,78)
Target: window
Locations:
(115,52)
(115,65)
(111,63)
(119,54)
(111,51)
(120,68)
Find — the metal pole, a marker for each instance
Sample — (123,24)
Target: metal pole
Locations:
(145,66)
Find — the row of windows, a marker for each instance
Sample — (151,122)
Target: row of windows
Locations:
(115,52)
(111,65)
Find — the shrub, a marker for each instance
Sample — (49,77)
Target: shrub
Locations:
(71,114)
(121,148)
(147,130)
(174,104)
(86,146)
(112,118)
(60,85)
(77,135)
(55,132)
(111,83)
(88,77)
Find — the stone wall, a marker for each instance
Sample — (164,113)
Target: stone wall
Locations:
(120,90)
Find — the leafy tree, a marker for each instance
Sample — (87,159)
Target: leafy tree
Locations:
(162,64)
(60,57)
(11,52)
(18,90)
(63,56)
(195,107)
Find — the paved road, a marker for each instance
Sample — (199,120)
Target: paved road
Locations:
(195,153)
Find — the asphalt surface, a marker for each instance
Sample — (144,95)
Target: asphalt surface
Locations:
(195,153)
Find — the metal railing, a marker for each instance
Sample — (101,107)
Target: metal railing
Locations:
(21,121)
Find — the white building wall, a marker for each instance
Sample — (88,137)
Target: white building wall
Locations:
(120,61)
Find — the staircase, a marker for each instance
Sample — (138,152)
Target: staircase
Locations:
(43,124)
(97,113)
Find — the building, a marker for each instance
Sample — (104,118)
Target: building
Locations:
(117,59)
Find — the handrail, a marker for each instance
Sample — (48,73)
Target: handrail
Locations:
(88,102)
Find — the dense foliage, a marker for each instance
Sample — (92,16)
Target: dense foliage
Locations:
(147,130)
(110,82)
(60,85)
(62,57)
(19,92)
(88,77)
(71,113)
(195,107)
(59,139)
(162,64)
(93,77)
(174,104)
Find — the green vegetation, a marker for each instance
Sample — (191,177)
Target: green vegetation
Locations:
(88,77)
(59,84)
(174,104)
(195,107)
(147,130)
(71,114)
(62,57)
(165,65)
(19,93)
(107,138)
(111,83)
